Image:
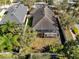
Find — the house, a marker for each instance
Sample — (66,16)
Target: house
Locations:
(44,22)
(16,12)
(71,3)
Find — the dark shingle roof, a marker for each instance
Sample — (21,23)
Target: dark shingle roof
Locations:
(40,13)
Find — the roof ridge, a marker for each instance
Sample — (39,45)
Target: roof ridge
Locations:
(39,16)
(39,21)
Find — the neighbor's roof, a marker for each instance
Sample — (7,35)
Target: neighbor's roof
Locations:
(15,13)
(40,3)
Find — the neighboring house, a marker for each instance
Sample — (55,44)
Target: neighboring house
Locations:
(14,1)
(71,1)
(4,6)
(39,5)
(45,22)
(15,13)
(57,2)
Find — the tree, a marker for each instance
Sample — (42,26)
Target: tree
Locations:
(69,50)
(8,37)
(65,13)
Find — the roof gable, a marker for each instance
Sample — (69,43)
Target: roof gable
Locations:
(41,13)
(15,13)
(45,24)
(48,13)
(11,18)
(20,12)
(37,16)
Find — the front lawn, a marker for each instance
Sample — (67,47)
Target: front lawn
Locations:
(39,43)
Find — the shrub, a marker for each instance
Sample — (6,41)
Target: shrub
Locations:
(8,37)
(76,31)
